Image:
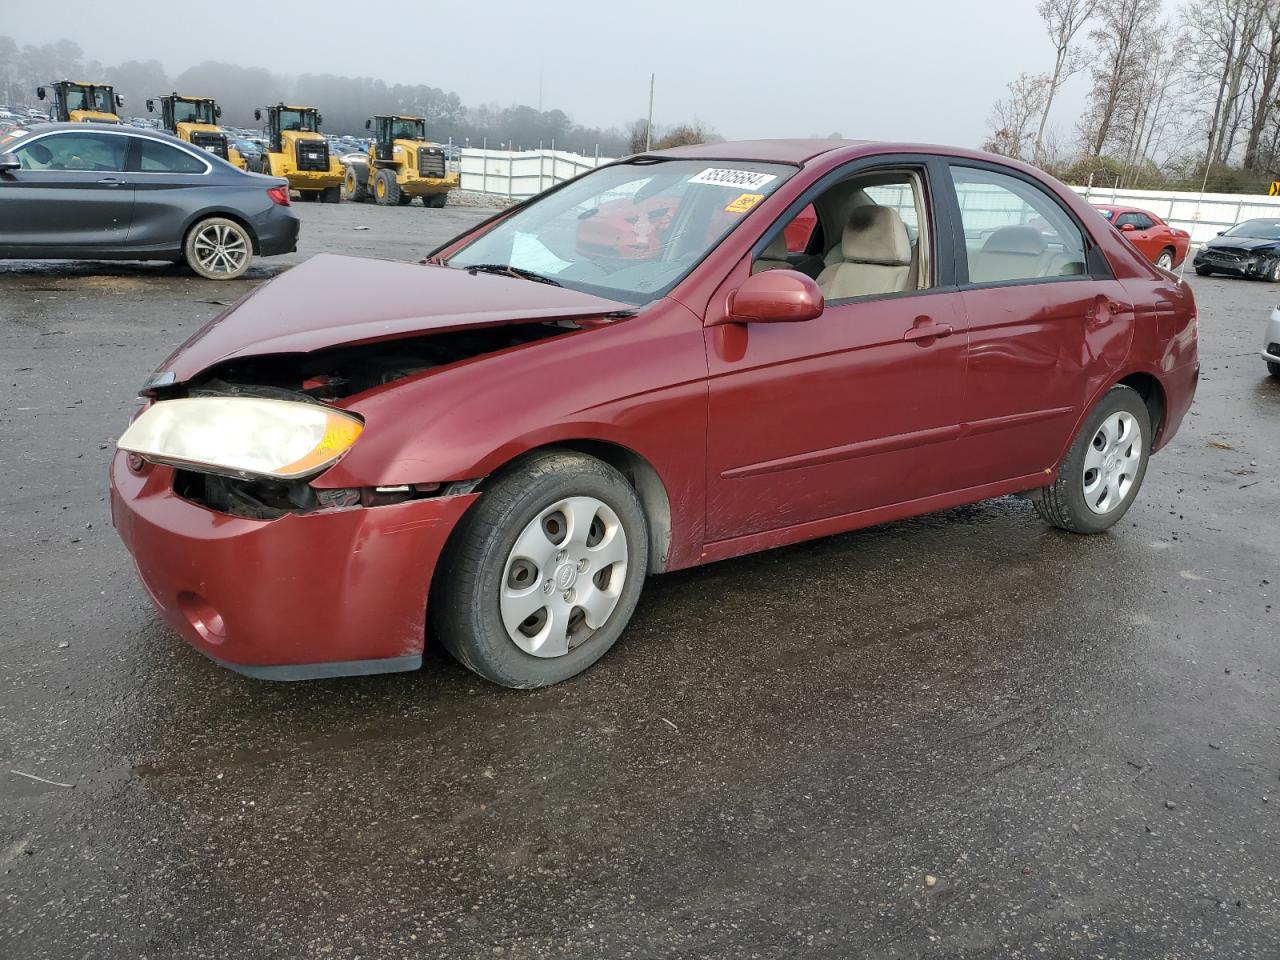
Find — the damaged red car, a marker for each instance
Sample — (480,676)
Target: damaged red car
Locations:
(499,445)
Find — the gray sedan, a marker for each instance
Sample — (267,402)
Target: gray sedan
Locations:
(1271,343)
(92,191)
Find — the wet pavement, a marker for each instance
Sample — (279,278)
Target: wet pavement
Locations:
(966,735)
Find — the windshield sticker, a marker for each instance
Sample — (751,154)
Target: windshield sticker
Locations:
(530,253)
(718,177)
(744,203)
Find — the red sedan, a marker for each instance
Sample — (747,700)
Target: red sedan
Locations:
(502,444)
(1163,245)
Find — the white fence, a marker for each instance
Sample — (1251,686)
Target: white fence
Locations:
(507,173)
(518,175)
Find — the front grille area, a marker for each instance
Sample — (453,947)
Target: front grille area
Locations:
(1228,256)
(313,155)
(215,143)
(431,161)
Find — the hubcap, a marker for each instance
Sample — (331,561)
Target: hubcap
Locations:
(563,577)
(1165,261)
(220,249)
(1111,465)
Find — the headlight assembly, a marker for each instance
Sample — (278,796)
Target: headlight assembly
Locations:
(242,436)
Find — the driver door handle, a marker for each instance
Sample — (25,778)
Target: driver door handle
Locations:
(111,181)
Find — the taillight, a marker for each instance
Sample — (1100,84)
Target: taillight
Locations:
(279,195)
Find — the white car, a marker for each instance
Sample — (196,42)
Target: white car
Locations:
(1271,343)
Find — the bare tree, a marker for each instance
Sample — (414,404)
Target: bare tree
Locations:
(1124,27)
(1267,51)
(1012,117)
(1063,19)
(1221,39)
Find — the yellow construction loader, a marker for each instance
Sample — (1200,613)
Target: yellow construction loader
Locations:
(402,164)
(77,102)
(195,120)
(297,151)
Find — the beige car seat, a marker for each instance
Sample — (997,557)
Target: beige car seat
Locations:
(875,256)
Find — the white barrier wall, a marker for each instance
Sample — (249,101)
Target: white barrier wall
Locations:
(506,173)
(518,175)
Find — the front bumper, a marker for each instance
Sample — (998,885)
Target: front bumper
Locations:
(332,593)
(1252,265)
(1271,338)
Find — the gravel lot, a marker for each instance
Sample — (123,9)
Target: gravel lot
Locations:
(965,735)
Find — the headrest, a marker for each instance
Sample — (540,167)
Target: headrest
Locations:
(40,152)
(876,234)
(777,248)
(1023,240)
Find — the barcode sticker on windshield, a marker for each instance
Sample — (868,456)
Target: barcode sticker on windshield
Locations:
(719,177)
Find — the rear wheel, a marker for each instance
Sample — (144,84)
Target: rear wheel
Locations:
(435,200)
(218,249)
(1273,368)
(331,194)
(1165,260)
(543,573)
(1103,471)
(385,189)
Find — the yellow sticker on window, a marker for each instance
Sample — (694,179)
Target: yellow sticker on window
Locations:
(744,202)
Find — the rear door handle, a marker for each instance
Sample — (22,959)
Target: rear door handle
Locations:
(111,181)
(926,329)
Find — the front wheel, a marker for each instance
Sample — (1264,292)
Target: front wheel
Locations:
(218,249)
(331,194)
(1203,271)
(435,200)
(1273,368)
(1103,471)
(543,573)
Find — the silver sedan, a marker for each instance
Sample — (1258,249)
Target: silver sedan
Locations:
(1271,343)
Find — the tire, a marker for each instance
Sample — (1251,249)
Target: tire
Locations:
(355,183)
(1165,260)
(1273,272)
(1203,272)
(1066,504)
(386,192)
(218,249)
(1273,368)
(331,194)
(435,200)
(482,568)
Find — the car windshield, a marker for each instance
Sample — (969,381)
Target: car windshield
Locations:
(298,120)
(408,130)
(1256,229)
(628,231)
(192,111)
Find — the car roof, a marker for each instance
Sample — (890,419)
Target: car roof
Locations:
(1120,208)
(126,128)
(768,151)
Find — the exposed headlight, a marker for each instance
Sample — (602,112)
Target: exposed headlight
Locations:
(242,436)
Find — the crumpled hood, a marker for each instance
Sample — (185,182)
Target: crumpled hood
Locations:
(333,301)
(1240,243)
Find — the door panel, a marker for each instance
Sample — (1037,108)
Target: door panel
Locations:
(835,415)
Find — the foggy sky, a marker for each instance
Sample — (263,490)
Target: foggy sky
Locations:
(927,70)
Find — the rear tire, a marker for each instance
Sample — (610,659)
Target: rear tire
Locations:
(218,249)
(1273,368)
(1165,260)
(1101,474)
(385,189)
(515,553)
(331,194)
(435,200)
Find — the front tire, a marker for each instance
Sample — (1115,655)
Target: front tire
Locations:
(218,249)
(1273,368)
(1103,471)
(331,194)
(543,573)
(355,183)
(1203,271)
(435,201)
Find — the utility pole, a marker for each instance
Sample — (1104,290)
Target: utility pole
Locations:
(648,127)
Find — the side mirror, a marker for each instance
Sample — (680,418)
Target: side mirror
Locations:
(368,124)
(217,111)
(9,162)
(257,114)
(775,296)
(39,93)
(319,119)
(1127,228)
(119,100)
(151,106)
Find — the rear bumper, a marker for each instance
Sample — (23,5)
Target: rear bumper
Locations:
(278,232)
(331,593)
(425,186)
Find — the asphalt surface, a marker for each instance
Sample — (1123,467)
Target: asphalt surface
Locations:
(965,735)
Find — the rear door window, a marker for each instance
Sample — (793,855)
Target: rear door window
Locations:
(157,157)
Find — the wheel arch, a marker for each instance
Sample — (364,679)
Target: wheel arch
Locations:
(638,471)
(1152,392)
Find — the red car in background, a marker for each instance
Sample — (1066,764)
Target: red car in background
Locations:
(1163,245)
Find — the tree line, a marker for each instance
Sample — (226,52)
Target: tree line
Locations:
(345,102)
(1177,97)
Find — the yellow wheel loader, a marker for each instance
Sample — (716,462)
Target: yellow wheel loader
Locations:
(76,102)
(402,164)
(195,120)
(297,151)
